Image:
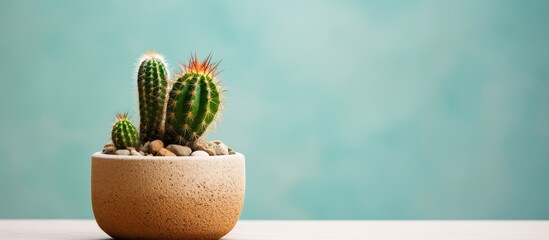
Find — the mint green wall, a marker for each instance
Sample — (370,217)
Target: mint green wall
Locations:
(344,109)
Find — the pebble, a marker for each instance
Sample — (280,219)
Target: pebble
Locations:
(109,145)
(200,153)
(122,152)
(201,144)
(209,150)
(142,153)
(109,149)
(135,153)
(217,141)
(165,152)
(155,146)
(179,150)
(145,147)
(221,149)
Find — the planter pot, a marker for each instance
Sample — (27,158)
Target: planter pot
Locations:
(137,197)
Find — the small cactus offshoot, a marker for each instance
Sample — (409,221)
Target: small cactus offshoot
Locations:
(194,101)
(123,133)
(152,85)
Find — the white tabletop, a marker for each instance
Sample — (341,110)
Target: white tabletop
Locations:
(274,230)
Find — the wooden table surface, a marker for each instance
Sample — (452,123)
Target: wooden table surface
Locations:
(274,230)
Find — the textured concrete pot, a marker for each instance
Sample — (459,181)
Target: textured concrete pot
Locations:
(136,197)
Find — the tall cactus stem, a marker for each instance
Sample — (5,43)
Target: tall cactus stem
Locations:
(152,85)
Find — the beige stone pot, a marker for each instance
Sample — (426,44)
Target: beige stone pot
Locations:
(137,197)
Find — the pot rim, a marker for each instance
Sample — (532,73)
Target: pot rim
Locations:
(101,155)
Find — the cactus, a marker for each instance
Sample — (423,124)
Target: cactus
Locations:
(194,101)
(123,133)
(152,85)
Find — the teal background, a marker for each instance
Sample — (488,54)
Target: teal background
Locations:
(344,109)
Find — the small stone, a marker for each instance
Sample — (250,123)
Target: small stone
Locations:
(210,151)
(221,149)
(135,153)
(142,153)
(109,150)
(165,152)
(231,151)
(122,152)
(200,153)
(217,141)
(145,147)
(149,155)
(179,150)
(130,148)
(201,144)
(109,145)
(155,146)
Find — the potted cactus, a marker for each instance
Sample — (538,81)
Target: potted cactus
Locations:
(165,180)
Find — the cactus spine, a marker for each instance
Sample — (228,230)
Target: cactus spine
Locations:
(152,85)
(194,101)
(123,133)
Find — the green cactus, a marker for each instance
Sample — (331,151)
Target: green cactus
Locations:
(152,85)
(123,133)
(194,101)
